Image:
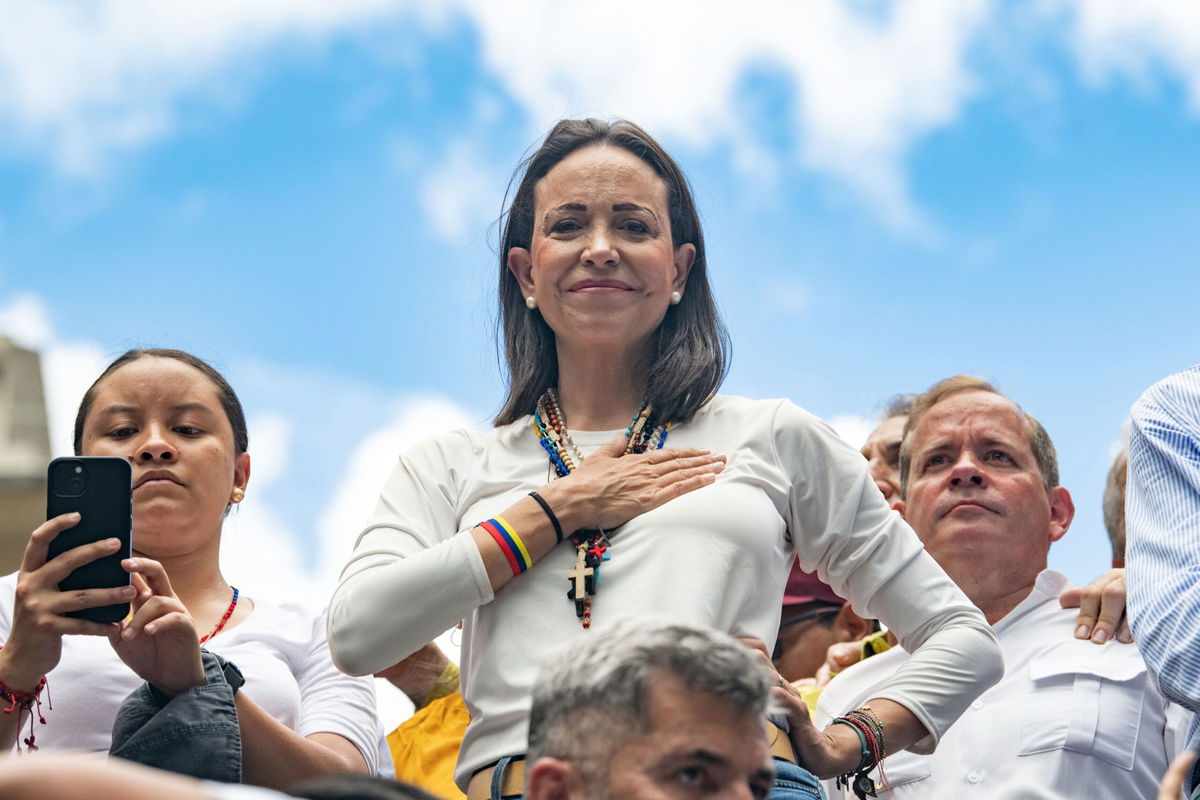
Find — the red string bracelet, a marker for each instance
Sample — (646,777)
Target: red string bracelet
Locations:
(27,701)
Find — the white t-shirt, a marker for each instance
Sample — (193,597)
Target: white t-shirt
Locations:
(280,649)
(716,557)
(1070,719)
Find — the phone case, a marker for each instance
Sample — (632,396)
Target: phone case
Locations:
(104,502)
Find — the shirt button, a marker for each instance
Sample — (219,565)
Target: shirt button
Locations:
(973,777)
(977,704)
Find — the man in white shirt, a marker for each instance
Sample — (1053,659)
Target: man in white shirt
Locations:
(979,485)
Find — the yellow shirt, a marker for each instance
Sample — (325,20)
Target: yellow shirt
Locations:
(425,747)
(872,645)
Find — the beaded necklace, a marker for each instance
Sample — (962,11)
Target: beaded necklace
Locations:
(591,546)
(224,619)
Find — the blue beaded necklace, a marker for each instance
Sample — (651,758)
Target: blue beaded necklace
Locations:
(591,546)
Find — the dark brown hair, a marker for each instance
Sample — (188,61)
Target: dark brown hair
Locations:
(691,353)
(1039,440)
(229,400)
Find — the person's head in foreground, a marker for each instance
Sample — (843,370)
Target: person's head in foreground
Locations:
(650,711)
(979,485)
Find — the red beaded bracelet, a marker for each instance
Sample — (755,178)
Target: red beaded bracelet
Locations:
(26,701)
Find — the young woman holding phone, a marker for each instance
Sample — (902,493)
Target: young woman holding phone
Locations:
(183,430)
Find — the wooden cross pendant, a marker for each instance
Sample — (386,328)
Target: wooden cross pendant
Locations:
(581,585)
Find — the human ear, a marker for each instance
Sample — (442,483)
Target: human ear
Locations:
(520,264)
(553,779)
(685,256)
(241,471)
(1062,511)
(850,627)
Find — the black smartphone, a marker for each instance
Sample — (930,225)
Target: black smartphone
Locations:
(100,489)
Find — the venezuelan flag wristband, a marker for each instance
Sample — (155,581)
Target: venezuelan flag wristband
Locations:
(510,544)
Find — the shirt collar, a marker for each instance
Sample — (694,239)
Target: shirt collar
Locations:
(1048,586)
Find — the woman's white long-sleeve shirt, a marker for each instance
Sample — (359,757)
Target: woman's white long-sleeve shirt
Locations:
(716,557)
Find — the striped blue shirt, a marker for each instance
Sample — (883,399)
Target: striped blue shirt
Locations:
(1162,510)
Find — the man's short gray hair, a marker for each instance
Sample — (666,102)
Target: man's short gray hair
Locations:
(588,702)
(1114,503)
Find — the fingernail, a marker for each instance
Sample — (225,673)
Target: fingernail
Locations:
(1100,636)
(1082,632)
(112,543)
(128,591)
(127,633)
(1125,636)
(73,515)
(150,628)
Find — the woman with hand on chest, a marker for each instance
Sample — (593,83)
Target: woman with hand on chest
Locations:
(618,483)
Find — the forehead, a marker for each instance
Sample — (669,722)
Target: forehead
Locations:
(972,415)
(601,174)
(152,379)
(888,432)
(684,720)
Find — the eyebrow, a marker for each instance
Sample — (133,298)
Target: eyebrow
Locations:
(634,207)
(699,754)
(112,411)
(988,442)
(616,207)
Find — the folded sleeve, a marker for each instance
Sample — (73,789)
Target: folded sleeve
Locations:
(333,702)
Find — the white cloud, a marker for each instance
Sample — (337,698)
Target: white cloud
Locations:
(88,79)
(1131,39)
(866,87)
(353,500)
(854,429)
(25,320)
(83,81)
(68,369)
(461,194)
(272,448)
(262,556)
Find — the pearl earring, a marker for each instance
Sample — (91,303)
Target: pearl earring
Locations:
(237,495)
(531,302)
(675,298)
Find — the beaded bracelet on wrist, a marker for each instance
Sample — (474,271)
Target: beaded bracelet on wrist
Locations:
(27,702)
(869,728)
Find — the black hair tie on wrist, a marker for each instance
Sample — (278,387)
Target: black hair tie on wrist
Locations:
(558,532)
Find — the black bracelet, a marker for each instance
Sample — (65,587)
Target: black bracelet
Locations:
(549,513)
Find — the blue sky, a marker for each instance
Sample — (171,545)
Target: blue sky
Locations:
(892,193)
